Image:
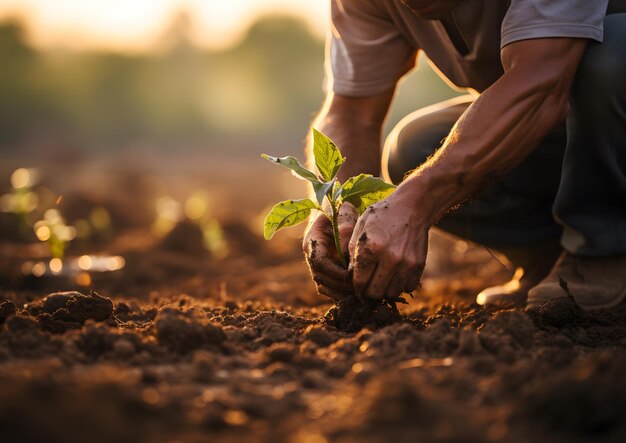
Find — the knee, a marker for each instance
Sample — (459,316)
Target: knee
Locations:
(413,140)
(419,135)
(403,152)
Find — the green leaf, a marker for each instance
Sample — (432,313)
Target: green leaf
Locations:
(323,188)
(364,184)
(296,167)
(364,190)
(287,213)
(328,158)
(320,188)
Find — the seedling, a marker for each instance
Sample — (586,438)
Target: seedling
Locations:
(361,190)
(53,231)
(22,201)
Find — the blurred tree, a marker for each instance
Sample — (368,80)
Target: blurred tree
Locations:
(267,87)
(18,91)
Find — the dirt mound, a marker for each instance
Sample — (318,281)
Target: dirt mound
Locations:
(351,314)
(563,317)
(62,311)
(183,332)
(186,238)
(7,308)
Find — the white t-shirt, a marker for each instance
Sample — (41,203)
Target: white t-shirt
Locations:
(372,43)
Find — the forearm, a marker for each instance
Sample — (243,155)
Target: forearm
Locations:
(360,145)
(355,125)
(493,136)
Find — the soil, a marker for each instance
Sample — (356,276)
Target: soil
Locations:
(351,314)
(184,347)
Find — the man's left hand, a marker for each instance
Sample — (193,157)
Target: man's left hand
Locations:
(388,249)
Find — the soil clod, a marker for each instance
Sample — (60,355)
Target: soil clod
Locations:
(7,309)
(351,315)
(63,311)
(183,332)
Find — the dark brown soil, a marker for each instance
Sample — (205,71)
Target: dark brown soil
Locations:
(183,347)
(352,314)
(80,367)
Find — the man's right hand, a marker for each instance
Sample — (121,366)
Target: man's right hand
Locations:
(331,279)
(355,125)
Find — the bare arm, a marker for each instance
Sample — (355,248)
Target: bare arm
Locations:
(494,135)
(355,125)
(502,126)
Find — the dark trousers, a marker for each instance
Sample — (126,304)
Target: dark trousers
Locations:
(572,186)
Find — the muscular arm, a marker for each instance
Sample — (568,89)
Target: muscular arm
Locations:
(502,126)
(494,135)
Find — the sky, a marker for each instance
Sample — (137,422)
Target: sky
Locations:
(133,25)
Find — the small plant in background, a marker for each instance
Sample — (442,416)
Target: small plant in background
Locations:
(97,224)
(361,190)
(53,231)
(214,239)
(170,213)
(22,200)
(34,209)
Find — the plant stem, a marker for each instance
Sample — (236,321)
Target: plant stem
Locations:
(335,225)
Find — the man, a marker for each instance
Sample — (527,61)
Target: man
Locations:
(533,165)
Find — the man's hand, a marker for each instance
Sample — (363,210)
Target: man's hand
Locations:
(354,124)
(389,244)
(331,279)
(388,249)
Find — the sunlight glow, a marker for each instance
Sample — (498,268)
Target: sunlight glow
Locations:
(195,207)
(115,263)
(21,178)
(39,269)
(83,279)
(85,262)
(56,265)
(137,25)
(42,232)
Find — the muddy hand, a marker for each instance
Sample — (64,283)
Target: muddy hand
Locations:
(331,279)
(388,250)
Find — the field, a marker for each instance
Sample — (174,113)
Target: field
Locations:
(182,345)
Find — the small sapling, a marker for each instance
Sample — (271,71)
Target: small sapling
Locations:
(361,190)
(53,231)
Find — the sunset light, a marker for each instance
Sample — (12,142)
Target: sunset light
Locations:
(136,25)
(312,221)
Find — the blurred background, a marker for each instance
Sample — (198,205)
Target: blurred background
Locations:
(118,116)
(99,77)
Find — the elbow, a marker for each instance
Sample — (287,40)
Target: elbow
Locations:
(546,88)
(548,94)
(543,72)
